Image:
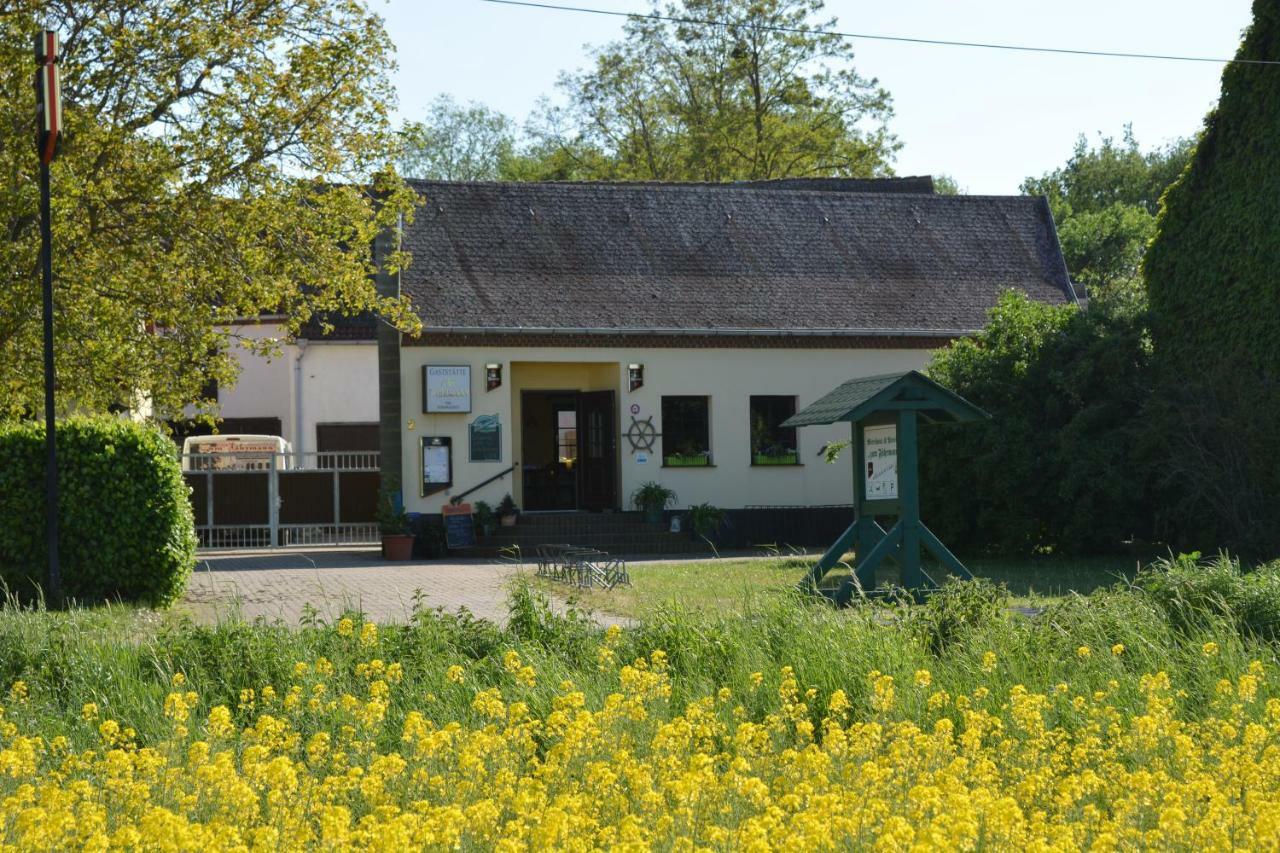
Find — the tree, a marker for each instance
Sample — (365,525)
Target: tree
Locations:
(747,97)
(1063,464)
(222,159)
(1104,201)
(457,143)
(1215,302)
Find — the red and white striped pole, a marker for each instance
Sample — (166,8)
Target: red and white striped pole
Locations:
(48,135)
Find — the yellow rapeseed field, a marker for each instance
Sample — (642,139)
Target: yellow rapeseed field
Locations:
(1011,770)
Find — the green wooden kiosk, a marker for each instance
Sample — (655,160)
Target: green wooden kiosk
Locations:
(885,412)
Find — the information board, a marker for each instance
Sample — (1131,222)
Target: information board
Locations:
(459,529)
(880,456)
(437,463)
(446,388)
(486,439)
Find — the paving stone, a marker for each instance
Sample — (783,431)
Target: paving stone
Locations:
(282,584)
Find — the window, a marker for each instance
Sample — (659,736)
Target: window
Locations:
(686,432)
(771,443)
(567,435)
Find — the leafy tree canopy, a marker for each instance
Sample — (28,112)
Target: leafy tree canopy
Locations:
(220,159)
(1060,466)
(1104,201)
(457,142)
(753,98)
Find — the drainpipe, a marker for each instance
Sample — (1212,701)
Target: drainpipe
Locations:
(298,431)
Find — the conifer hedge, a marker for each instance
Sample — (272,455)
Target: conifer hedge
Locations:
(1213,279)
(124,514)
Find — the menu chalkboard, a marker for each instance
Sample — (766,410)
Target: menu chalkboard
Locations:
(459,531)
(486,439)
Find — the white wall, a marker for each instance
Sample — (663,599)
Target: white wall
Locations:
(728,376)
(339,385)
(339,382)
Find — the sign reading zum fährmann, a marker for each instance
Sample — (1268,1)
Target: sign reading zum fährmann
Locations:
(880,455)
(446,388)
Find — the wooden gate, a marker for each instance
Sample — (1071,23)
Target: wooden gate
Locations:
(328,498)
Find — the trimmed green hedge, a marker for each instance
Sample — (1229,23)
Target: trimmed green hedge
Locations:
(1211,273)
(124,515)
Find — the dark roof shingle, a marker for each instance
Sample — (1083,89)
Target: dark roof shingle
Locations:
(700,257)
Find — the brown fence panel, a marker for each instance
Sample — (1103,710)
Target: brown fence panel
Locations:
(306,497)
(359,497)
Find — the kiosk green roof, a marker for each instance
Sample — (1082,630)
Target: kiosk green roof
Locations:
(858,398)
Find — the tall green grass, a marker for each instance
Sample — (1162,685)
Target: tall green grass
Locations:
(124,662)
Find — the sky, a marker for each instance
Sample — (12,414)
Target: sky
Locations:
(987,118)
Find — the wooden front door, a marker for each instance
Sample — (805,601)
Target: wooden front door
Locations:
(597,451)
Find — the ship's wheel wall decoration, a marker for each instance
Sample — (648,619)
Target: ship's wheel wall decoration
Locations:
(642,434)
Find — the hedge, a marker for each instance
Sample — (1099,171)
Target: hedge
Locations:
(124,514)
(1211,273)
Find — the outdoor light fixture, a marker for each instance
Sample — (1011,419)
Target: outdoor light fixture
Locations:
(492,376)
(635,376)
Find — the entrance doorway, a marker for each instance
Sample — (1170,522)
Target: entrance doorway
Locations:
(569,450)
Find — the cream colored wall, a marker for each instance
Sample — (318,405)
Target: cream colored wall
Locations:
(728,376)
(339,383)
(339,386)
(264,387)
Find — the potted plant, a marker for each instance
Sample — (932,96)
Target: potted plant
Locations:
(652,498)
(484,517)
(705,519)
(393,522)
(508,512)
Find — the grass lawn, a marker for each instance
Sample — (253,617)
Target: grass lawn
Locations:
(725,584)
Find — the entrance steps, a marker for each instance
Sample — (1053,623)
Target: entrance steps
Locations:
(621,534)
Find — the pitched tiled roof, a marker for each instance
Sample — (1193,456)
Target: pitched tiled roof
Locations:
(697,257)
(360,327)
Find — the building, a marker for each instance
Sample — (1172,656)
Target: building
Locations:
(582,339)
(320,393)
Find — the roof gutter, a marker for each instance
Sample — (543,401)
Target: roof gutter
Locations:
(717,332)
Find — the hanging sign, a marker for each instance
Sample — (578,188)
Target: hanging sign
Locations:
(437,463)
(880,456)
(486,439)
(446,388)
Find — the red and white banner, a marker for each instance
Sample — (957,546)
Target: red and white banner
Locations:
(48,97)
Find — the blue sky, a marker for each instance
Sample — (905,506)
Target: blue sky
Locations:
(987,118)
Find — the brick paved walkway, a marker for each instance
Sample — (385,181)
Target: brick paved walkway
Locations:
(281,584)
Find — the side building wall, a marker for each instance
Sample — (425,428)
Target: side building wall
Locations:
(727,376)
(338,381)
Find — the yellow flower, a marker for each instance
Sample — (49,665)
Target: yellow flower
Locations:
(18,692)
(757,678)
(454,674)
(989,662)
(1084,652)
(923,678)
(724,694)
(178,679)
(1209,649)
(89,711)
(346,627)
(1117,649)
(368,634)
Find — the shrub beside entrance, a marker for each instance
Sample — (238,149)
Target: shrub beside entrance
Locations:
(124,517)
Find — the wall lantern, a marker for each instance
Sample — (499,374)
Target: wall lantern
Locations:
(635,376)
(492,376)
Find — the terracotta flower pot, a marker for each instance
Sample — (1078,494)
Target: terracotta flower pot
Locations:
(397,546)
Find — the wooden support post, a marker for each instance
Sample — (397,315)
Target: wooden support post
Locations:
(909,499)
(944,555)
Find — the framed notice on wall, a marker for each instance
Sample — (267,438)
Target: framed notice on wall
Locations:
(880,456)
(446,388)
(485,439)
(437,463)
